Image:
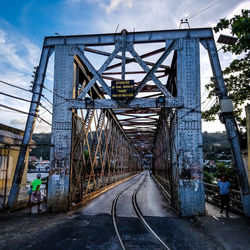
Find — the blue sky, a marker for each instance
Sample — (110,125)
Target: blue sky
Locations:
(23,25)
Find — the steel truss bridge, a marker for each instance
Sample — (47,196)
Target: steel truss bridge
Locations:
(98,140)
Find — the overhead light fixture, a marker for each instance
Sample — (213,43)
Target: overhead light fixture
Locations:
(229,40)
(88,100)
(161,99)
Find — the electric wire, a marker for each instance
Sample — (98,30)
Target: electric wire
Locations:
(192,109)
(45,108)
(43,96)
(16,97)
(202,9)
(209,107)
(51,91)
(23,112)
(211,100)
(22,99)
(26,100)
(15,86)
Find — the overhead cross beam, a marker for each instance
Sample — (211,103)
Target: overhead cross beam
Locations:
(134,37)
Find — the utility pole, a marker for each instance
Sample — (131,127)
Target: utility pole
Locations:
(248,140)
(30,124)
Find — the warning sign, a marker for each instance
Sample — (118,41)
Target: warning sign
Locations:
(122,89)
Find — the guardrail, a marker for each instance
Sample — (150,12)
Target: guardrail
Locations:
(211,195)
(37,171)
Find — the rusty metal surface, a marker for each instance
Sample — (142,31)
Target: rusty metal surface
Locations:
(98,140)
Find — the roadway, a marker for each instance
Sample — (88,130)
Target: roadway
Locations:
(92,226)
(110,221)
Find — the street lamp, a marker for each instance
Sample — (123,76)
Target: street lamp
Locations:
(230,40)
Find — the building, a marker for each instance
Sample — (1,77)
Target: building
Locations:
(43,165)
(10,141)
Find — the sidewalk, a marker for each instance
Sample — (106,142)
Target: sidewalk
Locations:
(232,233)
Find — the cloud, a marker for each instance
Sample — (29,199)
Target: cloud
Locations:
(115,4)
(17,52)
(18,57)
(17,122)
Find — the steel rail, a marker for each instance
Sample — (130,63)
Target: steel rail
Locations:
(140,215)
(113,213)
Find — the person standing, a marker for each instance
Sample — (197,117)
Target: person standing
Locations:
(224,192)
(150,173)
(36,194)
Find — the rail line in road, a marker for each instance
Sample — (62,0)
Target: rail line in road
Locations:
(137,211)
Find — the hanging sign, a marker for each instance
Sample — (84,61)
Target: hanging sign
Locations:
(122,89)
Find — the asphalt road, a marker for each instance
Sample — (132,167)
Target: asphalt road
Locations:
(91,227)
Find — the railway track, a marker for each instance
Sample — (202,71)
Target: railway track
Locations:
(137,211)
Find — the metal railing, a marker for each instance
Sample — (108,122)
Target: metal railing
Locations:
(211,195)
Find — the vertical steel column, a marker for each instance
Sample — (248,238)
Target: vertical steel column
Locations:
(124,32)
(59,181)
(6,176)
(30,124)
(189,134)
(229,122)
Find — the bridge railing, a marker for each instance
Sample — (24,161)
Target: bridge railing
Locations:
(211,196)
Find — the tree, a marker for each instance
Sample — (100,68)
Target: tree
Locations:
(230,173)
(208,177)
(237,74)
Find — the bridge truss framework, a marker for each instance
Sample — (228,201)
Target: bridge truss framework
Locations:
(98,140)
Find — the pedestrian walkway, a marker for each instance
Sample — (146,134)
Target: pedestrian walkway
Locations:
(231,233)
(215,212)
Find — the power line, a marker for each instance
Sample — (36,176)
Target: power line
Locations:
(204,92)
(211,100)
(9,111)
(14,109)
(202,9)
(209,107)
(43,120)
(193,109)
(15,86)
(53,106)
(16,97)
(51,91)
(46,109)
(47,100)
(23,112)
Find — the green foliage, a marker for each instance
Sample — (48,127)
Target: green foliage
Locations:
(208,177)
(217,137)
(240,27)
(44,151)
(214,144)
(237,74)
(31,166)
(230,173)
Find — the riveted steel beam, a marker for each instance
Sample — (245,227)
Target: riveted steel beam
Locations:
(135,103)
(150,72)
(135,37)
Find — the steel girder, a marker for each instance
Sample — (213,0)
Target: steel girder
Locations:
(92,150)
(181,93)
(230,123)
(134,37)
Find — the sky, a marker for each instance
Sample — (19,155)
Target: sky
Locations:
(25,23)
